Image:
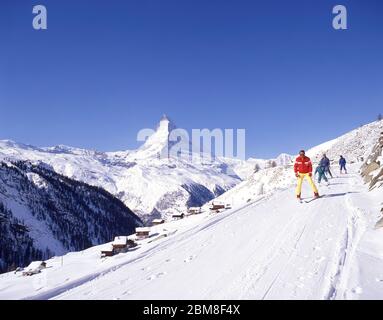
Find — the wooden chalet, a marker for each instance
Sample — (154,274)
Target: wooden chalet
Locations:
(178,216)
(217,206)
(156,222)
(120,244)
(107,252)
(34,268)
(195,210)
(142,233)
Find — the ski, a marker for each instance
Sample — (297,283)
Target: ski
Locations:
(315,198)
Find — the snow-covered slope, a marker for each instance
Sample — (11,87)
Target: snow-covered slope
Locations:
(43,213)
(258,185)
(355,146)
(246,168)
(272,248)
(268,246)
(148,182)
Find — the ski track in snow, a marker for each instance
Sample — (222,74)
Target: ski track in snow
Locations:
(275,248)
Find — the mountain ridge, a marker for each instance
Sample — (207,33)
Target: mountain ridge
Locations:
(150,184)
(54,214)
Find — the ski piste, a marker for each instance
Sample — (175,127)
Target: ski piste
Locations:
(278,249)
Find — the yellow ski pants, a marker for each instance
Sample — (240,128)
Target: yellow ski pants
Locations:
(301,176)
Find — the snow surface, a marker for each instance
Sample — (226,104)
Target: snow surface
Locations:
(354,145)
(270,248)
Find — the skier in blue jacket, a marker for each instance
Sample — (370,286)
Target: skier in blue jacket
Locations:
(325,162)
(320,170)
(342,164)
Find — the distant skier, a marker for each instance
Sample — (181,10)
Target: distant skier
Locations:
(342,164)
(320,170)
(303,169)
(325,162)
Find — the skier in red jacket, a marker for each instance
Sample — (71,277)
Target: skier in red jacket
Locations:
(303,168)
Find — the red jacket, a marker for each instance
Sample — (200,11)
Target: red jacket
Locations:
(303,165)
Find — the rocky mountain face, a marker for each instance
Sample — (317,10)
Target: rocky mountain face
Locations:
(16,245)
(372,170)
(43,213)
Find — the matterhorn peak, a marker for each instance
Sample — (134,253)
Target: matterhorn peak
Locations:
(159,140)
(166,124)
(164,118)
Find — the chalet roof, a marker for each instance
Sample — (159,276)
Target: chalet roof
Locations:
(158,220)
(107,248)
(143,229)
(34,265)
(121,240)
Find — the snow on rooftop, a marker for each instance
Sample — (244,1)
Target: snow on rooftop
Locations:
(121,240)
(107,247)
(34,265)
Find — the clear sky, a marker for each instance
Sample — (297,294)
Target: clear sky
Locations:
(105,69)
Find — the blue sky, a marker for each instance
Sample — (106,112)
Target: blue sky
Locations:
(105,69)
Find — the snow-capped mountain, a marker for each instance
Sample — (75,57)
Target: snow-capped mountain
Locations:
(159,143)
(146,180)
(43,214)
